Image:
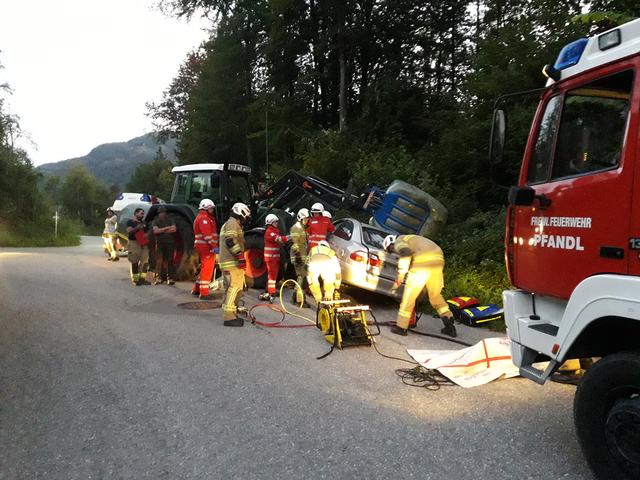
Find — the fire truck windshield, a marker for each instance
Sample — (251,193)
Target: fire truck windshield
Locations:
(582,131)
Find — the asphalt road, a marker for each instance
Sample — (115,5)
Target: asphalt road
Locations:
(99,379)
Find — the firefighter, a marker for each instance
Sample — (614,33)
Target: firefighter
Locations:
(272,243)
(233,263)
(299,252)
(421,263)
(110,235)
(138,248)
(318,226)
(323,274)
(205,242)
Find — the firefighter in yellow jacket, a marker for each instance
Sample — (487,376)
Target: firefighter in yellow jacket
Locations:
(299,251)
(421,264)
(233,263)
(324,265)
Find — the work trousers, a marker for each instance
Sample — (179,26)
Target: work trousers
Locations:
(207,265)
(109,240)
(417,279)
(165,269)
(273,267)
(301,277)
(139,259)
(234,280)
(322,277)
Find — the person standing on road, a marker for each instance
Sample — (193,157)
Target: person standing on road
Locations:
(138,248)
(318,226)
(421,263)
(164,229)
(205,242)
(299,252)
(273,240)
(233,263)
(323,274)
(110,235)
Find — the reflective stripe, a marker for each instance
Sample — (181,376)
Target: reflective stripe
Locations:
(200,242)
(198,235)
(271,249)
(405,313)
(236,249)
(228,265)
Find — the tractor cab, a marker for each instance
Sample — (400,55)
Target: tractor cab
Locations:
(225,184)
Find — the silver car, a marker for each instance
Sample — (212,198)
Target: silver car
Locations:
(363,261)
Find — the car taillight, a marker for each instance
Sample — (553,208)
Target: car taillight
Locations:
(375,261)
(359,256)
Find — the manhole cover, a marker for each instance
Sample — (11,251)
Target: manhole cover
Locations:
(206,305)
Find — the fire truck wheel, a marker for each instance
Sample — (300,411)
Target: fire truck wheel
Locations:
(607,416)
(256,272)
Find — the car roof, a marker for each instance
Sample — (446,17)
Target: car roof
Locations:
(365,225)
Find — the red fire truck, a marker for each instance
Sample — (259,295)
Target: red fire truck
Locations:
(573,242)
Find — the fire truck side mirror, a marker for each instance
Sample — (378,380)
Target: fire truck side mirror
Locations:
(523,196)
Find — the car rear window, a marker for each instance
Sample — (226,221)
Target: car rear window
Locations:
(373,238)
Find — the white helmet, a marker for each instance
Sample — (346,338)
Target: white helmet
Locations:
(241,210)
(327,214)
(317,208)
(388,240)
(206,204)
(271,219)
(302,214)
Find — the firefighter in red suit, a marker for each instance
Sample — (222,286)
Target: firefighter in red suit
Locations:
(272,243)
(206,244)
(318,226)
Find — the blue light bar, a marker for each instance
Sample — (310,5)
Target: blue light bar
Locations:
(570,54)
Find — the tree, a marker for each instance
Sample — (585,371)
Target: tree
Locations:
(154,178)
(83,197)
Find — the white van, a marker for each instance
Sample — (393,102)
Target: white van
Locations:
(125,198)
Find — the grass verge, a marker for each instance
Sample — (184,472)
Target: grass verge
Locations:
(39,235)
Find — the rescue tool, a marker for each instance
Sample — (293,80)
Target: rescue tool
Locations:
(344,325)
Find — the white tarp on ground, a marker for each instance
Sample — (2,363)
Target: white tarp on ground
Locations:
(481,363)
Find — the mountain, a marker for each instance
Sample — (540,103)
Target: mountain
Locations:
(114,163)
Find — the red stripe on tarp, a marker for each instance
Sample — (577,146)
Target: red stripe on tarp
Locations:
(486,354)
(484,360)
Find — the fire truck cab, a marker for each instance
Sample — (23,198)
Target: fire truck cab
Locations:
(573,242)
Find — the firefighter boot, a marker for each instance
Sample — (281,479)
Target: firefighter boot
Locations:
(449,329)
(266,297)
(294,300)
(236,322)
(399,331)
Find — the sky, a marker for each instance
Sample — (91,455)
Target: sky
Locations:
(82,70)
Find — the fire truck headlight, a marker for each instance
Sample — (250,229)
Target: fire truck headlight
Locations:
(610,39)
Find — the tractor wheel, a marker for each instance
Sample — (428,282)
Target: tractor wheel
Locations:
(607,416)
(256,273)
(186,258)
